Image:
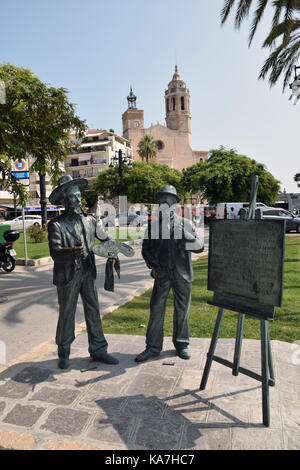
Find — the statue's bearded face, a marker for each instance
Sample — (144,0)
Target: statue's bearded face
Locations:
(72,198)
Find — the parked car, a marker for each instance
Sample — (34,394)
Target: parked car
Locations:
(17,224)
(108,220)
(292,221)
(227,210)
(132,219)
(210,213)
(114,221)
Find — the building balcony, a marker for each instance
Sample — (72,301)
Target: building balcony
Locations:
(89,147)
(85,163)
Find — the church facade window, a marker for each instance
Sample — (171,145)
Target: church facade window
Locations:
(159,145)
(174,104)
(182,103)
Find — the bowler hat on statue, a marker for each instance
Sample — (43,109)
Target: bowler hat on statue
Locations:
(168,189)
(66,182)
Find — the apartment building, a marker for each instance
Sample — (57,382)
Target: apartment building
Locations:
(97,151)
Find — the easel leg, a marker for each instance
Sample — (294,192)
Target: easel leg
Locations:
(265,372)
(212,349)
(238,344)
(271,369)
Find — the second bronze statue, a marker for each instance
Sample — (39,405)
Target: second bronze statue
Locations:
(167,247)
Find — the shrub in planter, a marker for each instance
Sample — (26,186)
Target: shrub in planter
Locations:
(37,233)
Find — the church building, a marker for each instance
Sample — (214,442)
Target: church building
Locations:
(173,140)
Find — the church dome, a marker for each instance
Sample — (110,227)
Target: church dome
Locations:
(176,82)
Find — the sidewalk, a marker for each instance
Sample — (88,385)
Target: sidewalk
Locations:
(156,405)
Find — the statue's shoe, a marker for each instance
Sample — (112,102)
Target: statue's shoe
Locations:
(104,357)
(145,355)
(63,363)
(184,353)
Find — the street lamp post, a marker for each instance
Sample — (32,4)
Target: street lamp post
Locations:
(295,86)
(121,162)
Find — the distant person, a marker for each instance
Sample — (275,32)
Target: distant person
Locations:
(231,214)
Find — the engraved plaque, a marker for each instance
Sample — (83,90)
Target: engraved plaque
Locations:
(245,268)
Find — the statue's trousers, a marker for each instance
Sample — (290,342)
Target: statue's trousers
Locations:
(83,284)
(182,301)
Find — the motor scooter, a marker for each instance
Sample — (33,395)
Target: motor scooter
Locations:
(7,253)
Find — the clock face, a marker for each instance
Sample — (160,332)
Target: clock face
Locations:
(136,124)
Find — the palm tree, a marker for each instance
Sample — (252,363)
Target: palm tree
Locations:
(297,179)
(284,57)
(285,27)
(147,149)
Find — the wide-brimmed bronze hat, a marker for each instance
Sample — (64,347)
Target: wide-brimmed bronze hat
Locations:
(168,189)
(65,182)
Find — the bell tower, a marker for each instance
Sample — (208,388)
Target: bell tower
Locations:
(133,118)
(177,102)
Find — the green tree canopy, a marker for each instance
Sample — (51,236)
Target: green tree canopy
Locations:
(226,177)
(147,149)
(140,183)
(35,120)
(284,30)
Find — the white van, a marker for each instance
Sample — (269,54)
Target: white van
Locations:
(230,210)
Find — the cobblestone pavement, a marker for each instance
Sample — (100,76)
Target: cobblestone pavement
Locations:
(156,405)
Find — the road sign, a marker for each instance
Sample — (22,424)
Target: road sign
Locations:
(21,175)
(20,165)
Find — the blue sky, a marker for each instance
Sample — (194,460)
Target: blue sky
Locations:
(98,48)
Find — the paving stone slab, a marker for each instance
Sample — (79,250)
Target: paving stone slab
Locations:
(157,434)
(141,406)
(291,438)
(24,415)
(165,367)
(244,394)
(107,402)
(115,430)
(289,370)
(228,414)
(257,438)
(66,421)
(2,406)
(149,384)
(57,396)
(185,407)
(12,389)
(291,415)
(32,375)
(205,438)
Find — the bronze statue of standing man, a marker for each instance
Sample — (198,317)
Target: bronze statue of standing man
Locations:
(167,253)
(71,240)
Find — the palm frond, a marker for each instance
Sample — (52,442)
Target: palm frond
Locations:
(288,18)
(280,30)
(242,12)
(226,10)
(262,4)
(281,60)
(285,27)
